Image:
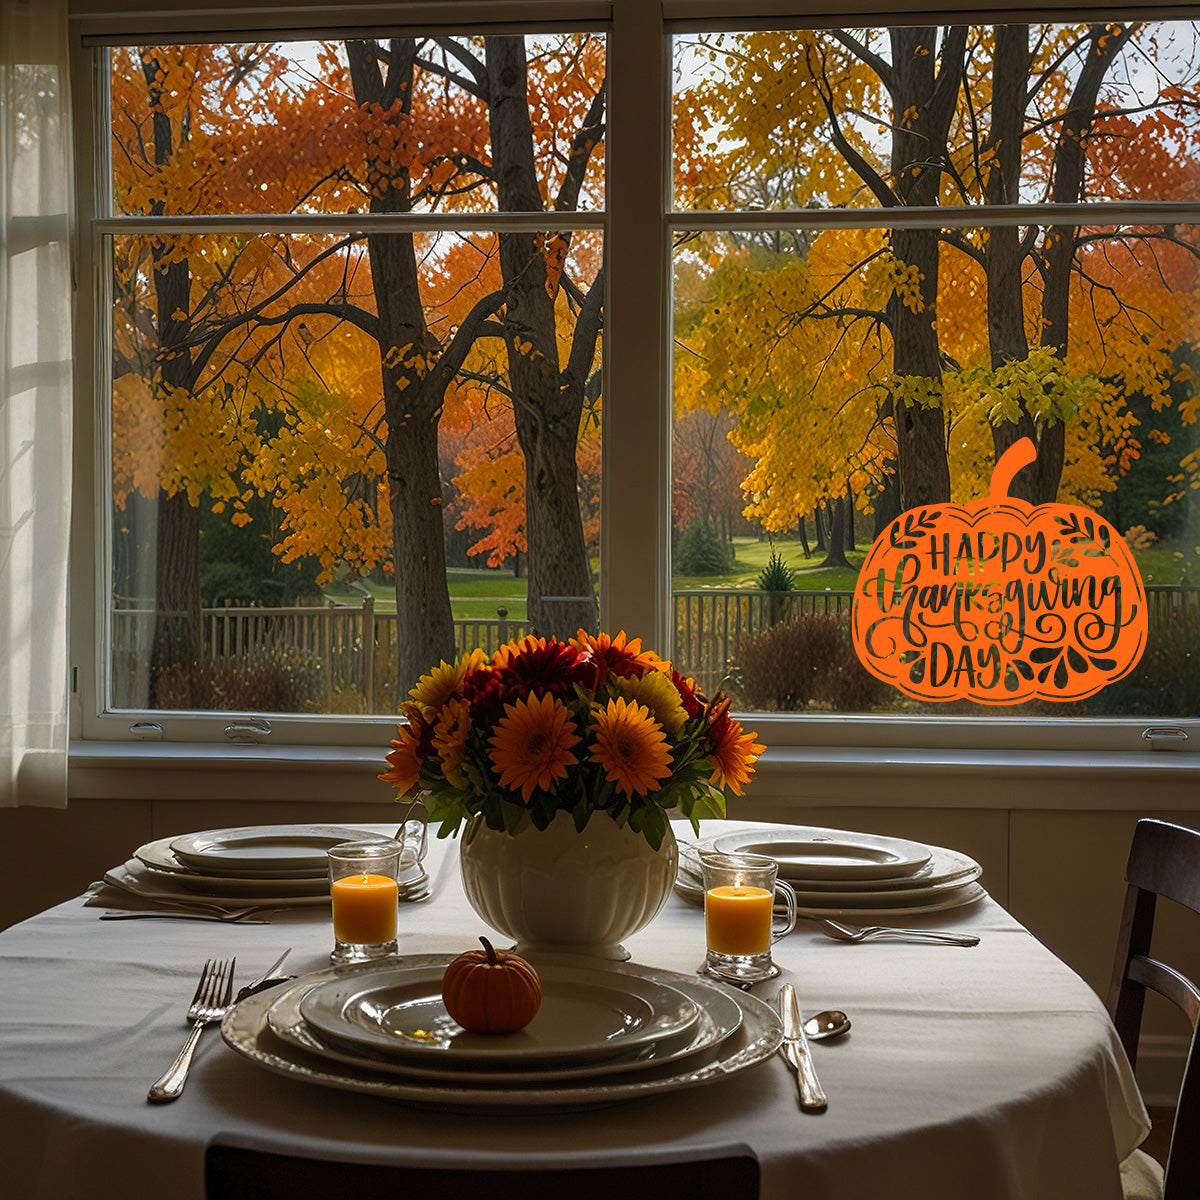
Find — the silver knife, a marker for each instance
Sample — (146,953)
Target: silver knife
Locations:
(795,1049)
(267,979)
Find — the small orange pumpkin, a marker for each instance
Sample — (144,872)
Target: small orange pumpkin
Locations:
(491,991)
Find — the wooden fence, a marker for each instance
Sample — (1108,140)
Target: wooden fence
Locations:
(355,648)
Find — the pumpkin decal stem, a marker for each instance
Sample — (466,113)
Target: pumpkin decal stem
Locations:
(491,991)
(997,601)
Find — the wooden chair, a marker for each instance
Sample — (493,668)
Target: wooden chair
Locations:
(239,1173)
(1164,860)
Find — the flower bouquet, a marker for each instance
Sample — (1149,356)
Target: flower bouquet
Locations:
(543,726)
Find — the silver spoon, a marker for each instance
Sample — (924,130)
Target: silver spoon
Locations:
(827,1025)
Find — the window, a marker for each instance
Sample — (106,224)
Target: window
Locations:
(897,251)
(355,386)
(725,350)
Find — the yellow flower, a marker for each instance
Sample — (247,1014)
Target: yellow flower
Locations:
(531,747)
(450,739)
(433,690)
(631,747)
(656,691)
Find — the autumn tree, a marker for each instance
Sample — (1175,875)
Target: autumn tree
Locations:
(284,320)
(876,333)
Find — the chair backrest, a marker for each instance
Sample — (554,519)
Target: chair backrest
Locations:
(240,1173)
(1164,860)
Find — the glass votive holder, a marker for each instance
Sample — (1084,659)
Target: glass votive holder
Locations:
(363,889)
(740,922)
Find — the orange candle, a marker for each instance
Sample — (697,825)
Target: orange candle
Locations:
(364,909)
(737,920)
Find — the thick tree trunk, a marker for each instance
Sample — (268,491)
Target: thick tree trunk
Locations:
(561,595)
(1070,161)
(412,406)
(835,555)
(925,89)
(1007,341)
(177,634)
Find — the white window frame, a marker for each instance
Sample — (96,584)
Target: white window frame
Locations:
(837,759)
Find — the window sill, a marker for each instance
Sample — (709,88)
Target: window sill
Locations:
(792,775)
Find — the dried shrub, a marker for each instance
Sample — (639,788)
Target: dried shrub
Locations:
(272,680)
(807,661)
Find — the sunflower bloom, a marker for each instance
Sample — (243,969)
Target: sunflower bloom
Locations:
(631,747)
(405,760)
(531,747)
(656,691)
(732,754)
(433,690)
(450,739)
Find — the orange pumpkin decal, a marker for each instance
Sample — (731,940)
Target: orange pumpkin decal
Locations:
(998,601)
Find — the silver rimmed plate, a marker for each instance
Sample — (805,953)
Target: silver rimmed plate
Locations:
(874,904)
(809,852)
(138,879)
(587,1013)
(719,1016)
(258,849)
(756,1039)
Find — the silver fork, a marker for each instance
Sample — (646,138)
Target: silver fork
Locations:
(853,933)
(213,995)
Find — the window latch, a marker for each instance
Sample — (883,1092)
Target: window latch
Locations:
(249,732)
(1164,737)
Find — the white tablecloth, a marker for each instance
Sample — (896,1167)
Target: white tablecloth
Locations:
(991,1073)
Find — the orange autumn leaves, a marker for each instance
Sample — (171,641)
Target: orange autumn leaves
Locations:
(544,726)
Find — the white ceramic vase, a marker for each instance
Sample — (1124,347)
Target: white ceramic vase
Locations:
(556,890)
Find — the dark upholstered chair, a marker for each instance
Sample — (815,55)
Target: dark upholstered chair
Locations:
(1164,861)
(237,1173)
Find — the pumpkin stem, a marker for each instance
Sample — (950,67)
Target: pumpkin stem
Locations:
(1018,455)
(491,951)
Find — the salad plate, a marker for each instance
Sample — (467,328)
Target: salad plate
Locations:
(587,1013)
(263,849)
(809,852)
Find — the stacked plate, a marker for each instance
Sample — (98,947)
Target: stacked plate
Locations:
(260,865)
(834,871)
(605,1032)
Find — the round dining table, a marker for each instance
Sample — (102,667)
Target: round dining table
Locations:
(991,1072)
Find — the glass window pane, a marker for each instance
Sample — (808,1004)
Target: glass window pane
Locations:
(817,372)
(925,115)
(390,125)
(320,453)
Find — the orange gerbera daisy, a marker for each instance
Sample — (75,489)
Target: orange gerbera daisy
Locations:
(733,753)
(631,747)
(531,747)
(405,760)
(615,656)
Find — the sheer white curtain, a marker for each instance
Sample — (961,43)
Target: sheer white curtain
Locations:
(35,399)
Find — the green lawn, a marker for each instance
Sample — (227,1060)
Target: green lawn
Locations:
(478,593)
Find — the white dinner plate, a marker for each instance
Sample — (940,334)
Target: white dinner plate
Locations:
(946,869)
(719,1016)
(257,849)
(587,1013)
(756,1039)
(159,858)
(135,877)
(810,852)
(834,905)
